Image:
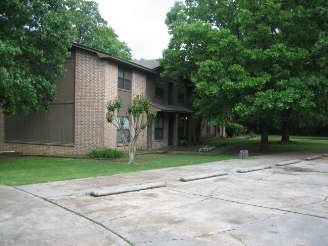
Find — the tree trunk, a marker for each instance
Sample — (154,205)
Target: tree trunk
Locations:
(132,153)
(264,137)
(285,132)
(132,149)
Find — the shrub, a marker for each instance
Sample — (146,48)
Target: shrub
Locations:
(234,130)
(105,153)
(206,148)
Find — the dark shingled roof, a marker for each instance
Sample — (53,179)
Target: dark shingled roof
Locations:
(171,108)
(106,56)
(152,64)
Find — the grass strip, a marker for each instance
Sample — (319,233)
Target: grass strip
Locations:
(31,170)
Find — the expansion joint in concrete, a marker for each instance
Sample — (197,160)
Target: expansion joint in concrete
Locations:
(311,203)
(154,241)
(254,205)
(87,218)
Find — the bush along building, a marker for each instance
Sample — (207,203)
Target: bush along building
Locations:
(76,121)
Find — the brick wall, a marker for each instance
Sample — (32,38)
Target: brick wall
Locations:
(95,84)
(139,88)
(111,75)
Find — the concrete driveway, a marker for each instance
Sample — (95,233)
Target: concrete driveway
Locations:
(276,205)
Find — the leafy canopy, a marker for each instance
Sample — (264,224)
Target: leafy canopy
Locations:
(34,40)
(91,30)
(263,61)
(35,37)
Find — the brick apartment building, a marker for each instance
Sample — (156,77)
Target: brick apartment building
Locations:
(76,121)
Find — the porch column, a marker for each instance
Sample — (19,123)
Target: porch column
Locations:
(189,129)
(175,135)
(223,132)
(150,135)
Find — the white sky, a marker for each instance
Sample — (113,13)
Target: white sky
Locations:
(139,23)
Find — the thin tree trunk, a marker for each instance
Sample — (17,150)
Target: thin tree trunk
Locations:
(132,153)
(133,147)
(264,137)
(285,132)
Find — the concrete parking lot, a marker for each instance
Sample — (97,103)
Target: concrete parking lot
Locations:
(276,205)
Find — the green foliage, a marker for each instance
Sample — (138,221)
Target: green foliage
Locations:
(260,62)
(251,135)
(105,153)
(206,148)
(112,107)
(233,130)
(34,40)
(91,30)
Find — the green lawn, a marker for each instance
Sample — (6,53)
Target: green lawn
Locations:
(29,169)
(297,143)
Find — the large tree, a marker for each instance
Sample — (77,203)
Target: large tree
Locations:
(91,30)
(34,40)
(253,59)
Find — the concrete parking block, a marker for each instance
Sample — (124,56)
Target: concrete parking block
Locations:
(284,163)
(312,157)
(126,189)
(203,176)
(252,169)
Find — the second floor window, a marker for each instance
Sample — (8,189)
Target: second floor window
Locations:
(159,87)
(181,93)
(124,79)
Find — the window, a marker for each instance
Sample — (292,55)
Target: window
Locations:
(127,131)
(181,92)
(208,129)
(159,87)
(124,79)
(159,126)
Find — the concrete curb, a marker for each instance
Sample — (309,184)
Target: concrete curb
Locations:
(203,176)
(325,155)
(312,157)
(252,169)
(126,189)
(284,163)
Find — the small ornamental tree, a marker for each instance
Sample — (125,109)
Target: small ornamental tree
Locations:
(139,115)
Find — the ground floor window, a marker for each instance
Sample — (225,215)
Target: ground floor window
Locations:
(159,126)
(126,125)
(208,129)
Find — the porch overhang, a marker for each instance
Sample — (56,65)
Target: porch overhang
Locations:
(170,108)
